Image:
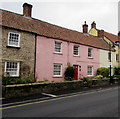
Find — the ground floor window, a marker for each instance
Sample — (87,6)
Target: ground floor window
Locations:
(57,70)
(90,70)
(12,68)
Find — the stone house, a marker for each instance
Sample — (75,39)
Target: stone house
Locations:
(18,45)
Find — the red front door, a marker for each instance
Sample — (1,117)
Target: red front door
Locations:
(76,72)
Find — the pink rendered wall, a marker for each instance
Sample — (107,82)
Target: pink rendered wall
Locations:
(45,58)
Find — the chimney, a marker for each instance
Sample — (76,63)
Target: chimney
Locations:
(119,33)
(93,25)
(85,28)
(101,33)
(27,9)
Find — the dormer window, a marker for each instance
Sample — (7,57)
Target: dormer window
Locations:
(13,39)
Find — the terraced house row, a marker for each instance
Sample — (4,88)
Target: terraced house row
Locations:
(31,46)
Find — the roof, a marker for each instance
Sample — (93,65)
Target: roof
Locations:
(112,37)
(17,21)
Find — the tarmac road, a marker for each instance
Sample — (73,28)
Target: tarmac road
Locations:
(101,103)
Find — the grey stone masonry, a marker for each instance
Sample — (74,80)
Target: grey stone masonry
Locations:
(25,54)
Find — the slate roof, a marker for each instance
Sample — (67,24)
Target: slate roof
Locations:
(17,21)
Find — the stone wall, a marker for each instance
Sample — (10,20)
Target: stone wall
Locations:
(20,90)
(25,54)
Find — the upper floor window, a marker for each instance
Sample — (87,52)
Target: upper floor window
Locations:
(89,52)
(57,70)
(12,68)
(14,39)
(76,50)
(109,56)
(58,48)
(117,57)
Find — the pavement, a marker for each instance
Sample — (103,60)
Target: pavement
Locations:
(46,96)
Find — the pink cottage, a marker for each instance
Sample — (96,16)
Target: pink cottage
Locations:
(63,47)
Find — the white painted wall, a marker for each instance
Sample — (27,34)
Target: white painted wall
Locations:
(104,62)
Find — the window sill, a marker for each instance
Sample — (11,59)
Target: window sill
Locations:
(76,55)
(12,76)
(90,75)
(109,60)
(58,53)
(8,46)
(90,57)
(57,77)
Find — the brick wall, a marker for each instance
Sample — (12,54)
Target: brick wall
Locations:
(25,54)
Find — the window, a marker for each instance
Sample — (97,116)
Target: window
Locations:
(57,47)
(57,70)
(89,52)
(12,69)
(76,50)
(117,57)
(13,39)
(109,56)
(90,70)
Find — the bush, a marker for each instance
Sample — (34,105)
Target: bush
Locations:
(116,76)
(10,80)
(117,71)
(99,77)
(7,80)
(103,71)
(69,78)
(87,82)
(43,81)
(69,73)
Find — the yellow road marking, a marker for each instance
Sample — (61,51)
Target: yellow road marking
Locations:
(74,95)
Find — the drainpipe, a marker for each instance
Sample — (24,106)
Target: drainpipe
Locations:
(68,63)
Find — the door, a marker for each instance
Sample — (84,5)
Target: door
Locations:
(76,72)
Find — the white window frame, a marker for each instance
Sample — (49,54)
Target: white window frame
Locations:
(18,69)
(18,39)
(77,50)
(117,57)
(55,46)
(110,57)
(88,72)
(60,70)
(91,52)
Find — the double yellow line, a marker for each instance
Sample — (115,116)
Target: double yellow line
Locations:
(74,95)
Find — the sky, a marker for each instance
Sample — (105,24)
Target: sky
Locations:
(71,14)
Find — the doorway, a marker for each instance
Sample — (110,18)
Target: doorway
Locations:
(76,72)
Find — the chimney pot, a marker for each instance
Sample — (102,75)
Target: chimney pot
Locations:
(101,33)
(85,28)
(93,25)
(119,33)
(27,9)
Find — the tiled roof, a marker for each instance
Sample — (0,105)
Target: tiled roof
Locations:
(39,27)
(112,37)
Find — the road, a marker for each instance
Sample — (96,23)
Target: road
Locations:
(102,103)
